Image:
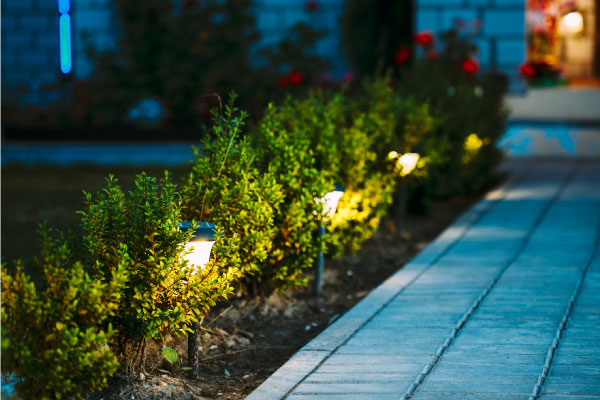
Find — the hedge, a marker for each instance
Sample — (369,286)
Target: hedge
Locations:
(259,185)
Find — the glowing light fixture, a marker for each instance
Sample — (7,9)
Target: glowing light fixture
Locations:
(572,23)
(407,163)
(199,248)
(331,200)
(200,245)
(64,23)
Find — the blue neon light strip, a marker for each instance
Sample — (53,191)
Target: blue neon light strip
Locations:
(65,43)
(64,6)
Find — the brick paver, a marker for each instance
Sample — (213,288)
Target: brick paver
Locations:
(481,311)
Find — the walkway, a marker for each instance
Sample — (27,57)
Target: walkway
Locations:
(505,304)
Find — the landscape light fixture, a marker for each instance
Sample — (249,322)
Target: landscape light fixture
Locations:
(199,246)
(198,249)
(407,162)
(330,202)
(404,164)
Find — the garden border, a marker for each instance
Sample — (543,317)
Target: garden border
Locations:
(312,355)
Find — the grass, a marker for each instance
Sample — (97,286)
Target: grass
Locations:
(32,194)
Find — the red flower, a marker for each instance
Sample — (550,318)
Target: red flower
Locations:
(311,6)
(292,78)
(527,71)
(402,55)
(424,38)
(432,54)
(470,66)
(295,78)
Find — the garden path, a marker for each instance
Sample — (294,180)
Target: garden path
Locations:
(504,304)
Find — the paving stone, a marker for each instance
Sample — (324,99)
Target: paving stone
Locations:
(488,368)
(476,387)
(558,370)
(509,359)
(559,388)
(385,368)
(574,379)
(465,396)
(360,377)
(566,397)
(504,378)
(403,350)
(379,359)
(343,396)
(578,361)
(352,388)
(504,340)
(495,349)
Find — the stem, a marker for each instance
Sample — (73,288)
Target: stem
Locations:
(193,350)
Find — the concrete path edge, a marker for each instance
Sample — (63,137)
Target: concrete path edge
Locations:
(309,357)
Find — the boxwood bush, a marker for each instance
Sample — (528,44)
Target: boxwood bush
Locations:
(225,187)
(54,334)
(164,294)
(287,154)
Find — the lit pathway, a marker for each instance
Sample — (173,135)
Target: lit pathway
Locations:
(505,304)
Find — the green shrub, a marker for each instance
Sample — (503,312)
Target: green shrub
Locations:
(54,335)
(226,188)
(342,153)
(390,123)
(163,294)
(287,154)
(347,140)
(462,104)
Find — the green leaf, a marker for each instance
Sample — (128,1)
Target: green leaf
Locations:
(170,355)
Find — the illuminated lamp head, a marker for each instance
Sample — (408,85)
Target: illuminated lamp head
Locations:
(200,244)
(330,201)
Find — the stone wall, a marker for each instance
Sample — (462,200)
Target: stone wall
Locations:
(30,39)
(501,39)
(276,17)
(30,50)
